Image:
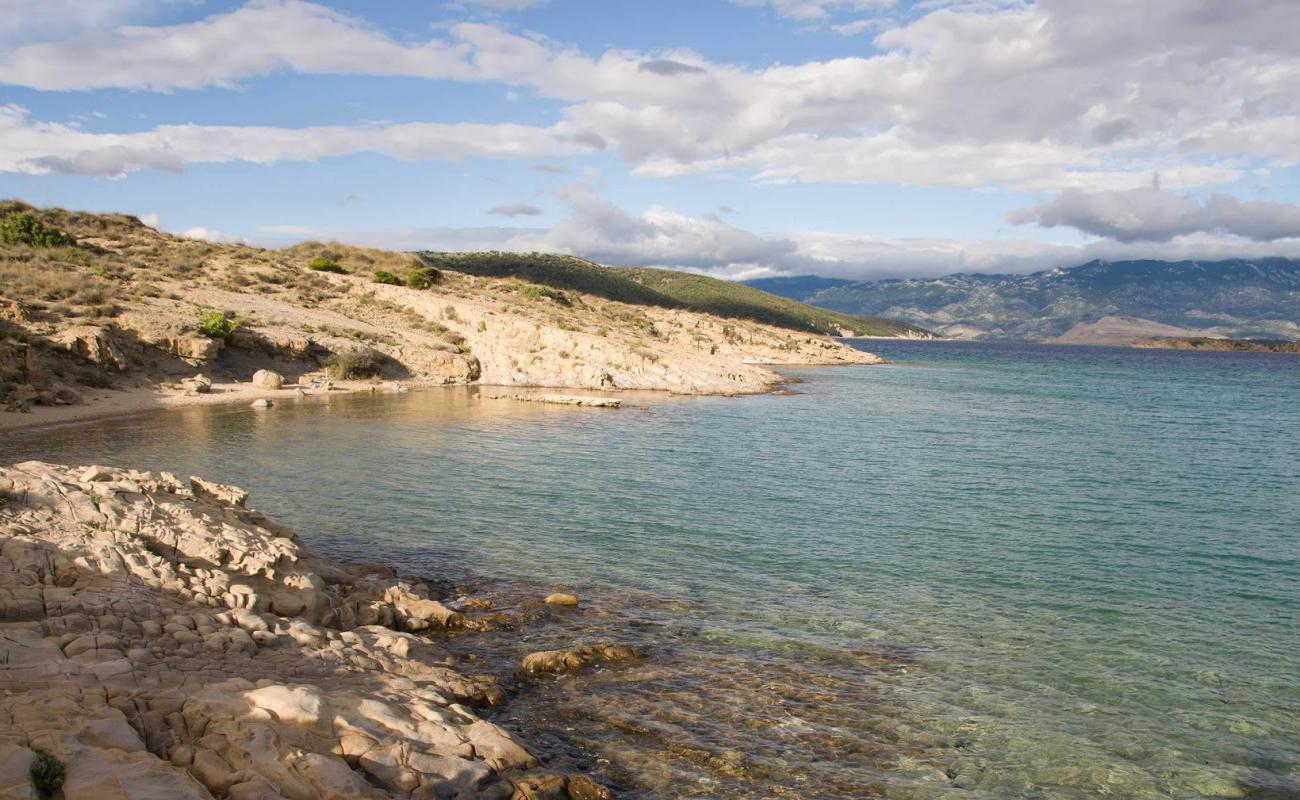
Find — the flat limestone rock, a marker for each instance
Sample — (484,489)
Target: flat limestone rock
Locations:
(149,648)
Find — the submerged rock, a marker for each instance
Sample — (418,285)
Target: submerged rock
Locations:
(560,599)
(558,661)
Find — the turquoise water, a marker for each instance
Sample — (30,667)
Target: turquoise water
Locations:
(1083,560)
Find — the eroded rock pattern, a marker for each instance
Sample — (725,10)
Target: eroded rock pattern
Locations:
(163,640)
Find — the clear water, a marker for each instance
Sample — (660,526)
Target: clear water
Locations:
(1020,571)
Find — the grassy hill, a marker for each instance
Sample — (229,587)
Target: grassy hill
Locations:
(666,289)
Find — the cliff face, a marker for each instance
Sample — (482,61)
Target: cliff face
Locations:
(163,640)
(128,307)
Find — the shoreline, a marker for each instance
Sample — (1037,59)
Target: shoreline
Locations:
(109,404)
(288,664)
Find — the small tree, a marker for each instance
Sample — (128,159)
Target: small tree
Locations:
(323,264)
(24,228)
(216,325)
(47,773)
(423,277)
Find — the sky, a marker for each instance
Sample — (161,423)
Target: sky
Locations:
(743,138)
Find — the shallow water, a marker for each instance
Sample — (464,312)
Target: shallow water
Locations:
(1009,571)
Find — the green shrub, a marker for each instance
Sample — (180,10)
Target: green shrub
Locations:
(387,277)
(24,228)
(347,364)
(47,773)
(423,277)
(216,325)
(322,264)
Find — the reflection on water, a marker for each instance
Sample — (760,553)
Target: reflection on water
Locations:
(1020,572)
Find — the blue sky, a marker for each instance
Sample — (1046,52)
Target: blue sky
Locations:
(858,138)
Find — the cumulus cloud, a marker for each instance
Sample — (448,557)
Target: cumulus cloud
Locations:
(41,147)
(1039,96)
(516,210)
(604,232)
(1155,215)
(262,37)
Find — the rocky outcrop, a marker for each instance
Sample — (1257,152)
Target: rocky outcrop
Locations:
(162,639)
(95,344)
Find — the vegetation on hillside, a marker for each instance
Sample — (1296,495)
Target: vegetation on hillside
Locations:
(666,289)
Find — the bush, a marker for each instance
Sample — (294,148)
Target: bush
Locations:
(47,773)
(23,228)
(350,364)
(387,277)
(216,325)
(423,277)
(322,264)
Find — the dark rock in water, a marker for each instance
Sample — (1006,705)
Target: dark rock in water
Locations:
(558,661)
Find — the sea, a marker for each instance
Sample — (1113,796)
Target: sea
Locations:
(978,571)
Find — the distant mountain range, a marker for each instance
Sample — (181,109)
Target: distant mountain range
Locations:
(1238,298)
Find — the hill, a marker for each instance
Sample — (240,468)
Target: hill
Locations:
(94,303)
(1235,298)
(668,289)
(796,287)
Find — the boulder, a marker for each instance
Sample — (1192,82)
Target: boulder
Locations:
(199,384)
(220,493)
(561,599)
(268,379)
(196,348)
(22,399)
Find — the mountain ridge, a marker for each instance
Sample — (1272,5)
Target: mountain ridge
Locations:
(1237,298)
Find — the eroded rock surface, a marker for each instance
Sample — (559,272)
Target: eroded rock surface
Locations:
(163,640)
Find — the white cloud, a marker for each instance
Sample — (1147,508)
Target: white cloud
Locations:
(42,147)
(262,37)
(1152,214)
(206,235)
(1041,96)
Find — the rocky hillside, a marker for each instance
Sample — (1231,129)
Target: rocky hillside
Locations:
(670,289)
(91,302)
(1235,298)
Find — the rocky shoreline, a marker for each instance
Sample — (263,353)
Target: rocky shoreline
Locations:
(162,639)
